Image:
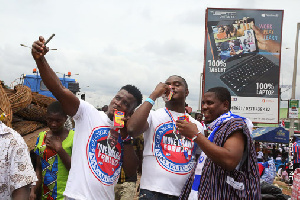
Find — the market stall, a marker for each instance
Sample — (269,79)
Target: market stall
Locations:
(271,134)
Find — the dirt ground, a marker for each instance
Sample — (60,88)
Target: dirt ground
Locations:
(286,189)
(137,185)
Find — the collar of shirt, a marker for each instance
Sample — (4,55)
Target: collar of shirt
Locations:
(3,128)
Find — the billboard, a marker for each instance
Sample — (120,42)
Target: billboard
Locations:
(293,108)
(242,53)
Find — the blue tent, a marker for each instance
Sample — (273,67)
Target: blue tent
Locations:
(271,134)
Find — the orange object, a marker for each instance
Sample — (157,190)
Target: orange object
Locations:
(221,35)
(118,122)
(184,118)
(169,96)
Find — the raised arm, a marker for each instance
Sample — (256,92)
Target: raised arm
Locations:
(69,101)
(138,124)
(228,156)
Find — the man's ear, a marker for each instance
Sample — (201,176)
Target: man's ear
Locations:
(130,113)
(187,92)
(226,105)
(131,110)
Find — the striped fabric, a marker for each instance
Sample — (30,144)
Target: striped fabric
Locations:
(214,179)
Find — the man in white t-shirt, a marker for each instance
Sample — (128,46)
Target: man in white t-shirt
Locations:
(168,156)
(97,155)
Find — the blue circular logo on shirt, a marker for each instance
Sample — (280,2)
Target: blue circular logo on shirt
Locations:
(173,152)
(104,153)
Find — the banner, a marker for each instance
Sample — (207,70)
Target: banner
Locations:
(242,53)
(293,109)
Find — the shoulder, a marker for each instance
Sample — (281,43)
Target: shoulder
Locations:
(199,125)
(160,110)
(85,108)
(17,144)
(84,105)
(12,141)
(156,113)
(71,133)
(42,134)
(15,137)
(41,137)
(235,124)
(193,120)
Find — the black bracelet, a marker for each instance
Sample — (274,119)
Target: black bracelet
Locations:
(128,141)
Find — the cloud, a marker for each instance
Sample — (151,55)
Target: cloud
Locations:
(115,43)
(191,17)
(168,48)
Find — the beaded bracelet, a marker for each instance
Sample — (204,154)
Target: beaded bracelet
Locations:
(196,136)
(127,138)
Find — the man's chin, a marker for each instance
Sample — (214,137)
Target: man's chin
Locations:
(208,121)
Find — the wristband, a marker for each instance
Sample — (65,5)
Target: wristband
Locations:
(196,136)
(150,101)
(128,142)
(127,138)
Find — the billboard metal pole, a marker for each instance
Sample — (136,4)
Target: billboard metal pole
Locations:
(200,92)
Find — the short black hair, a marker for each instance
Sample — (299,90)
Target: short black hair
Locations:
(222,94)
(135,92)
(184,81)
(104,108)
(198,113)
(56,107)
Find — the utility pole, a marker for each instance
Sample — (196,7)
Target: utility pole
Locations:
(291,130)
(292,120)
(200,92)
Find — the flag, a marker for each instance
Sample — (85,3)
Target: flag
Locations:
(282,124)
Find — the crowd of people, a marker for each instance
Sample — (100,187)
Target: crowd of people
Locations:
(278,154)
(183,157)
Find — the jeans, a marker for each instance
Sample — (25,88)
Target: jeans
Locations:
(150,195)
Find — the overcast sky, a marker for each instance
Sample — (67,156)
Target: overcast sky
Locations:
(113,43)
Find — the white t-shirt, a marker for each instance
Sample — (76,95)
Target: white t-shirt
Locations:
(95,165)
(168,160)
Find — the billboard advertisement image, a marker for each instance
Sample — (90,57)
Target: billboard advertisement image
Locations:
(242,53)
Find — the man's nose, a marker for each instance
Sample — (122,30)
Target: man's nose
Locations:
(118,102)
(172,86)
(53,124)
